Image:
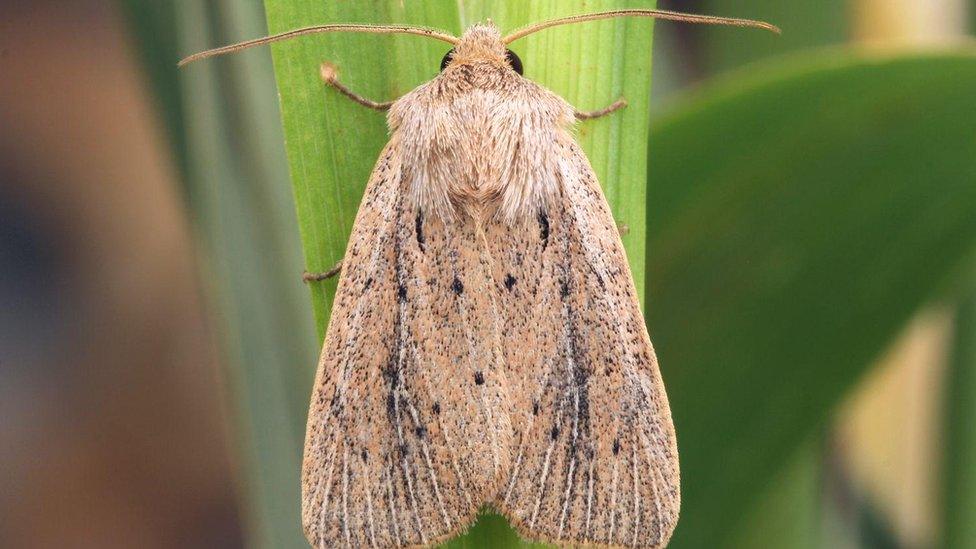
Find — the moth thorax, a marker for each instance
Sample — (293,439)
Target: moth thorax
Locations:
(499,186)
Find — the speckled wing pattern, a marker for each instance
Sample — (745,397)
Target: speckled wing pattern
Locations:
(486,344)
(595,457)
(408,431)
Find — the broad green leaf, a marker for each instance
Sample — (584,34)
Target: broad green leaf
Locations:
(805,25)
(798,216)
(226,135)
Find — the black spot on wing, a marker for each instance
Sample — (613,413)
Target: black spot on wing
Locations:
(419,229)
(509,282)
(457,286)
(391,375)
(479,378)
(544,229)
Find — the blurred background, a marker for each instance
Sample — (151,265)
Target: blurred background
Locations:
(119,391)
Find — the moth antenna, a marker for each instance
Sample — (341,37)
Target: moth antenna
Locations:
(316,29)
(656,14)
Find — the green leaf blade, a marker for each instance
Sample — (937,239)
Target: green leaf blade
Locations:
(797,220)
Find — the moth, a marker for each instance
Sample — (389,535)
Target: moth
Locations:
(486,345)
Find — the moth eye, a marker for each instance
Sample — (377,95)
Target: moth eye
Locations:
(447,59)
(514,61)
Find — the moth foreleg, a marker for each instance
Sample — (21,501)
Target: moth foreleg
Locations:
(330,75)
(612,107)
(318,277)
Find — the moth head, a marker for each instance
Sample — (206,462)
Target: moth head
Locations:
(482,44)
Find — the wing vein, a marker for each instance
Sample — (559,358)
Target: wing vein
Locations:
(635,475)
(589,495)
(528,430)
(345,495)
(448,443)
(472,346)
(369,507)
(613,502)
(407,476)
(328,489)
(391,494)
(542,483)
(429,462)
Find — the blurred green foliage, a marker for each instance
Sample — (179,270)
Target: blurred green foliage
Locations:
(805,25)
(959,480)
(226,133)
(797,215)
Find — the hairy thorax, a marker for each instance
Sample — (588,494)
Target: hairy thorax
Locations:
(481,141)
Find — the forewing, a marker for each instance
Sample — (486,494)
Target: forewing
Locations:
(408,431)
(595,453)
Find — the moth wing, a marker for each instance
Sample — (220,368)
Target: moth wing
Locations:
(407,430)
(595,450)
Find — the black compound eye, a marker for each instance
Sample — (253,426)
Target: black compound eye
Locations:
(514,61)
(447,59)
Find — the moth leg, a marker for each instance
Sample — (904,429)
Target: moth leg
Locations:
(318,277)
(612,107)
(330,75)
